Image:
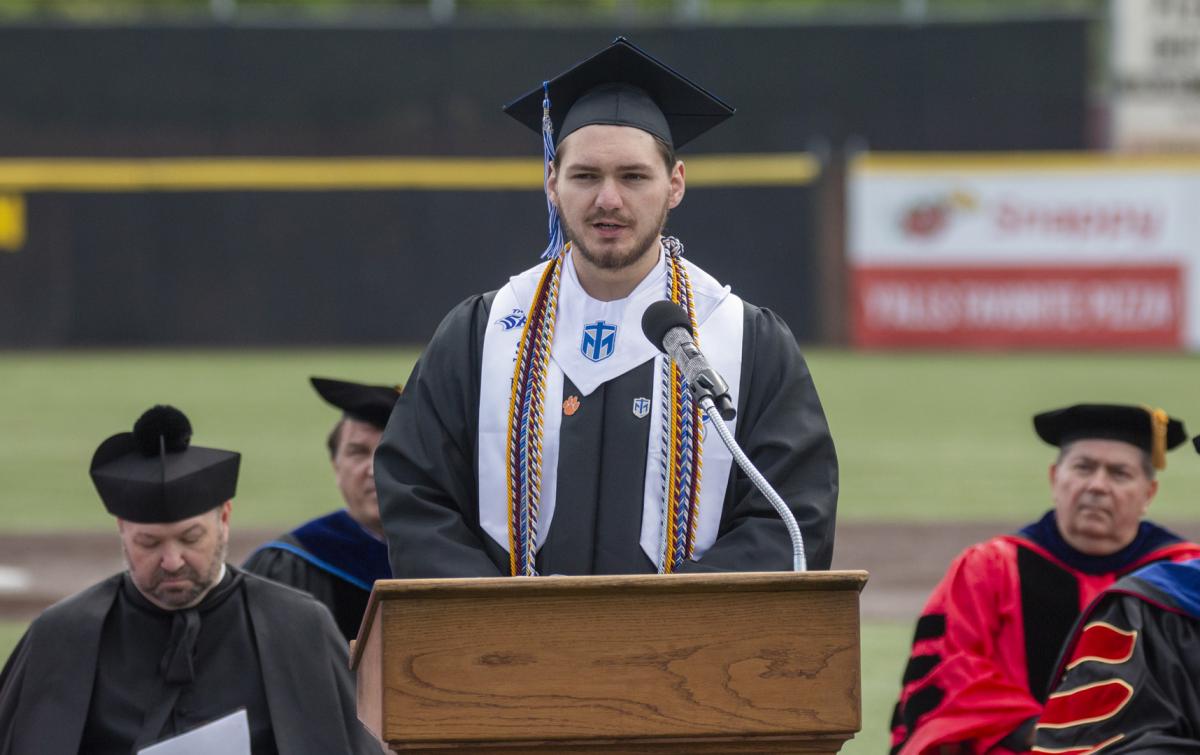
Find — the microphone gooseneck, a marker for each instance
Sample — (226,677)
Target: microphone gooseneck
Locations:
(668,327)
(799,560)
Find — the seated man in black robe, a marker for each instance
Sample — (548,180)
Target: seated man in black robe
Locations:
(542,432)
(1127,679)
(336,558)
(180,638)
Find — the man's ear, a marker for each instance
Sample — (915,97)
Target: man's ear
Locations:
(678,185)
(1150,498)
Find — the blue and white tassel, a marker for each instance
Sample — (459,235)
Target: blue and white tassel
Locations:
(554,226)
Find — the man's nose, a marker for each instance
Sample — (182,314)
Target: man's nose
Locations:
(609,197)
(172,559)
(1099,480)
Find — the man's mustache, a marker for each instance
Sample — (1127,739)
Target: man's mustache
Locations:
(186,572)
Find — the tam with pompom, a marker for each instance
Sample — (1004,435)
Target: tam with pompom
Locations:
(162,428)
(154,475)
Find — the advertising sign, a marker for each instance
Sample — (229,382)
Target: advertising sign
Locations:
(1155,60)
(1026,251)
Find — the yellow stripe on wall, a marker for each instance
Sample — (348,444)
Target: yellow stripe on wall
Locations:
(359,173)
(780,169)
(1007,162)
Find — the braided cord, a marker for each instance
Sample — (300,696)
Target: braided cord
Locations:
(695,416)
(525,412)
(682,449)
(680,445)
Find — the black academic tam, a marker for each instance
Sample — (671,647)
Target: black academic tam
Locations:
(623,85)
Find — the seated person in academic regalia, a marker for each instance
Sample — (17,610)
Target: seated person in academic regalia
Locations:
(180,638)
(337,557)
(1129,674)
(987,642)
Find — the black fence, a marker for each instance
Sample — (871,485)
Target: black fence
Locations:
(105,263)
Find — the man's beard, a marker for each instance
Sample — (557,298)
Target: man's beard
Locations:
(642,245)
(176,598)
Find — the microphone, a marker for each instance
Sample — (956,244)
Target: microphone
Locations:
(668,327)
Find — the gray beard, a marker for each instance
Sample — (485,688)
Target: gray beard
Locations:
(202,584)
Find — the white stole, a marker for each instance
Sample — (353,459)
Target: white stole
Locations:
(719,317)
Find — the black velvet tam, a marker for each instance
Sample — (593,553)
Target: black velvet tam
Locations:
(366,403)
(1131,424)
(623,86)
(154,475)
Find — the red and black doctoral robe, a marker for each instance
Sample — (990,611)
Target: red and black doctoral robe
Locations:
(1128,678)
(987,641)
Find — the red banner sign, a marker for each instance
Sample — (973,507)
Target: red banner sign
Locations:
(1002,307)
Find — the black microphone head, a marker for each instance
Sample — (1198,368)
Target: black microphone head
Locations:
(661,317)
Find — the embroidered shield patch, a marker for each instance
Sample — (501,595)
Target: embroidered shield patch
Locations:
(599,340)
(641,407)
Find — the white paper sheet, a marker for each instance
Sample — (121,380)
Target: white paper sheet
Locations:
(229,735)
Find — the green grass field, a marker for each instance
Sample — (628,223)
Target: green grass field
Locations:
(10,632)
(57,407)
(920,436)
(885,647)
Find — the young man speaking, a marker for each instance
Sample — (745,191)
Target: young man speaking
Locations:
(543,433)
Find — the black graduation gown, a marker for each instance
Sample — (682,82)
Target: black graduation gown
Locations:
(200,648)
(47,684)
(1128,676)
(426,465)
(331,558)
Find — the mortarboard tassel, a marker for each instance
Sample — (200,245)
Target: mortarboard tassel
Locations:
(1158,437)
(554,226)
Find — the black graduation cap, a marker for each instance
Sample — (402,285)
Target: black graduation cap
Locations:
(366,403)
(1149,429)
(154,475)
(622,85)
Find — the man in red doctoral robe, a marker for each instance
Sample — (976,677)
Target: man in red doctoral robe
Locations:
(986,644)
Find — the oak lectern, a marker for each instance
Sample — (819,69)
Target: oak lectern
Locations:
(705,663)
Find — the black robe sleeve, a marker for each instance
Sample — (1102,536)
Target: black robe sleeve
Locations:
(1130,684)
(345,601)
(425,464)
(287,568)
(47,682)
(306,673)
(782,428)
(11,679)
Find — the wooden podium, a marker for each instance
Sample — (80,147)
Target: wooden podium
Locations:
(760,662)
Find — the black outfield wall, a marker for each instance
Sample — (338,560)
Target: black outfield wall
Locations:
(248,267)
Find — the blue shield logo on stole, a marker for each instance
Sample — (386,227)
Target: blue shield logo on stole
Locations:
(599,340)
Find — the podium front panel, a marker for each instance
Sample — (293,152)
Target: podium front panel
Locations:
(591,659)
